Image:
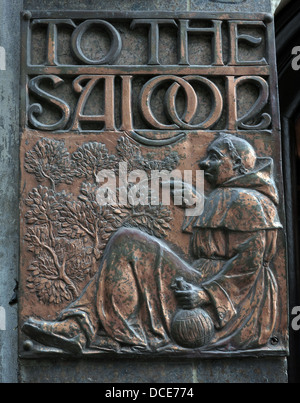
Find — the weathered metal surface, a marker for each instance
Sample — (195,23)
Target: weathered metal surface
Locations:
(244,370)
(125,91)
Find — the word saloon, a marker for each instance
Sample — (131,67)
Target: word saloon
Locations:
(74,118)
(183,73)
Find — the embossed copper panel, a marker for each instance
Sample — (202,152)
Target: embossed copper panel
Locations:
(116,94)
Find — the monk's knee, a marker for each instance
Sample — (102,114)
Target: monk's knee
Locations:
(125,235)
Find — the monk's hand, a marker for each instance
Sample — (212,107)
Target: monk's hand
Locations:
(188,295)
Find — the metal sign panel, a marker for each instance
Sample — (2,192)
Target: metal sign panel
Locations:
(152,221)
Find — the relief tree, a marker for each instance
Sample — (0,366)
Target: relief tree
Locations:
(67,234)
(50,160)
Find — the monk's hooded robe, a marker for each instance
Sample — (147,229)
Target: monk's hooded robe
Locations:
(131,299)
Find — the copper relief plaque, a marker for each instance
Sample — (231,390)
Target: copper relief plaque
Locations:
(152,218)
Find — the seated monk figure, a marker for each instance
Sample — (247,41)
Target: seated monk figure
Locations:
(131,302)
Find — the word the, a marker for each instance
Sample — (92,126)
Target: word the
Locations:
(184,30)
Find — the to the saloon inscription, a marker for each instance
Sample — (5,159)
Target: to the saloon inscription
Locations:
(115,105)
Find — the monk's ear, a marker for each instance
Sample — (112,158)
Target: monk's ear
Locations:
(239,167)
(237,163)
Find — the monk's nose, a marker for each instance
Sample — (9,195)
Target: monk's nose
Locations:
(204,164)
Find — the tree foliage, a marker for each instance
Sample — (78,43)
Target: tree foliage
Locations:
(50,160)
(67,235)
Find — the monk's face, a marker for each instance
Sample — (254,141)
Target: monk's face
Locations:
(218,166)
